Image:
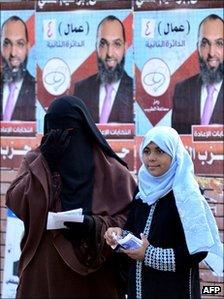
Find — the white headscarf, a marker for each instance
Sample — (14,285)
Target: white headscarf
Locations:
(198,222)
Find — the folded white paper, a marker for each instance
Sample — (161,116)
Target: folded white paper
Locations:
(128,242)
(56,220)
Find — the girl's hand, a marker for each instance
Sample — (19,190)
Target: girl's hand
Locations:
(138,254)
(111,234)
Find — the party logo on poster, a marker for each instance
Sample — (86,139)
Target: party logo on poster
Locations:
(155,77)
(56,76)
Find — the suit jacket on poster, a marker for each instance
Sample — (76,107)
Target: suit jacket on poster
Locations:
(186,105)
(25,105)
(122,110)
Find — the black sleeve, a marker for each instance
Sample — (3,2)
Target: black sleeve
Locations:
(168,249)
(186,260)
(130,223)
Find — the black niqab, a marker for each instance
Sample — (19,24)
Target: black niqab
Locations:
(76,167)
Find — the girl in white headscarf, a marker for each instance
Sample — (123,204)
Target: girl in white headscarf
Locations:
(174,221)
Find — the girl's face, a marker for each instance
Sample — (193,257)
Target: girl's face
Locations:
(156,161)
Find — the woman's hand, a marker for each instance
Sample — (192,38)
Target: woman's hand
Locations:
(111,234)
(53,146)
(138,254)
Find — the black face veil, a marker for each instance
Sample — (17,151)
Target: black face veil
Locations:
(77,164)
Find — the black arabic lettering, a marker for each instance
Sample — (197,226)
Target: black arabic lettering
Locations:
(177,29)
(168,29)
(70,28)
(67,32)
(171,28)
(77,29)
(181,28)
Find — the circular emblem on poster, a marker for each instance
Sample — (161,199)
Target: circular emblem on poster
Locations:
(56,76)
(155,77)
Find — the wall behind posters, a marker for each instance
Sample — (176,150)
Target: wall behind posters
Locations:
(161,40)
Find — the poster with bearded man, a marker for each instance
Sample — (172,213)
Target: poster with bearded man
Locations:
(18,66)
(198,100)
(88,55)
(178,56)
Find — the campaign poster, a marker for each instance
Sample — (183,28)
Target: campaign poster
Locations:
(18,94)
(66,51)
(165,53)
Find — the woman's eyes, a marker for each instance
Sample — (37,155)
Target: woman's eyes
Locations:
(157,151)
(160,151)
(146,152)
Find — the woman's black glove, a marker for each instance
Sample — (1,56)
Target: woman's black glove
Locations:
(53,146)
(79,230)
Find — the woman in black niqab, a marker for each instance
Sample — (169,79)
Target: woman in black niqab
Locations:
(74,167)
(74,134)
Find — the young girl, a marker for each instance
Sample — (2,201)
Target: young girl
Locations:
(174,221)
